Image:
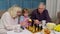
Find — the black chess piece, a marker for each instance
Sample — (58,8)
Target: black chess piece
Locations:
(35,27)
(40,27)
(22,27)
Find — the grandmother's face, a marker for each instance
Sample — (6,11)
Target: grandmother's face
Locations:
(19,13)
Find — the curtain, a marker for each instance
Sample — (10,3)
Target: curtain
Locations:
(58,6)
(53,7)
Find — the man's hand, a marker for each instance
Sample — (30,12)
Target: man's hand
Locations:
(37,22)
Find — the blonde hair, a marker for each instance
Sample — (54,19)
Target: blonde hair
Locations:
(13,10)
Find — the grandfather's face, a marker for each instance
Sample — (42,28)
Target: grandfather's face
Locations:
(41,8)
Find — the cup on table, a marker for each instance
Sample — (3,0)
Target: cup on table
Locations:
(17,28)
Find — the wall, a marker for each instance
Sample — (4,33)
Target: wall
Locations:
(53,7)
(5,4)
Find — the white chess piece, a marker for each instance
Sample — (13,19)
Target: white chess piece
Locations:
(43,23)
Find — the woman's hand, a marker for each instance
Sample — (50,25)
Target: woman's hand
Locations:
(9,27)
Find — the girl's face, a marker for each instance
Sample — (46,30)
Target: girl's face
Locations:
(25,14)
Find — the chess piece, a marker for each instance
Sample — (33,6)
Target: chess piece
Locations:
(43,23)
(40,26)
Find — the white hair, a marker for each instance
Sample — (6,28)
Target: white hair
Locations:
(13,10)
(42,5)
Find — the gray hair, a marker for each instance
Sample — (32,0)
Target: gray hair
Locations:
(42,4)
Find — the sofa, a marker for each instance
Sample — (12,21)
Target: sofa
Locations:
(1,13)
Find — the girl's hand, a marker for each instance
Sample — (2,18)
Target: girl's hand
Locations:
(23,24)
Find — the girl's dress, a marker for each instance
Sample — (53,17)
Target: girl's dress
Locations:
(24,19)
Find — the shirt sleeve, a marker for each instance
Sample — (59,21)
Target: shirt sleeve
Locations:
(5,20)
(48,19)
(21,19)
(33,16)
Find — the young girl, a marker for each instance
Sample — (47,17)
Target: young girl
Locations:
(24,18)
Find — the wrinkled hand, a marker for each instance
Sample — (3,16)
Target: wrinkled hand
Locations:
(37,22)
(9,27)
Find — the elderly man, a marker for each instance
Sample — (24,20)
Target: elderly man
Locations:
(39,14)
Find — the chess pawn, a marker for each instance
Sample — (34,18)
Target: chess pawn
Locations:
(29,23)
(33,31)
(30,20)
(36,29)
(40,26)
(33,28)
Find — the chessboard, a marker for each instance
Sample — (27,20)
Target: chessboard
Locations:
(33,29)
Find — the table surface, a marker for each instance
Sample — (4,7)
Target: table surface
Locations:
(27,32)
(24,32)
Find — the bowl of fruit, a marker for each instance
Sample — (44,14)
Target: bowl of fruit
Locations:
(57,29)
(50,26)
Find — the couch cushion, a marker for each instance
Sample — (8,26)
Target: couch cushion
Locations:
(1,13)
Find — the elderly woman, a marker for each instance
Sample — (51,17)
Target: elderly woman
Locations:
(10,17)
